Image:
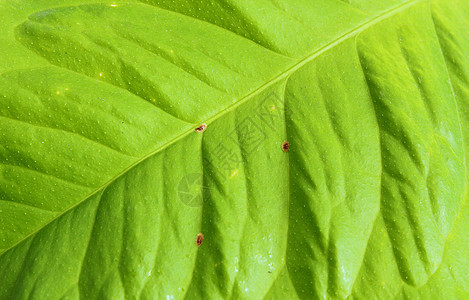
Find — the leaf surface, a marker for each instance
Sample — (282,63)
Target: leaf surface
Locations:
(105,183)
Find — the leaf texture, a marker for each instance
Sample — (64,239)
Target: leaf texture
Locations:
(105,183)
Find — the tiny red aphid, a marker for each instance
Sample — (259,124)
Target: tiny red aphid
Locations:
(201,128)
(199,239)
(285,146)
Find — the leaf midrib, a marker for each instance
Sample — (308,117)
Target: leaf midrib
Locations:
(355,31)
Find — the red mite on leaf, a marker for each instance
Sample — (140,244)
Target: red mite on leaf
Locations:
(201,128)
(199,239)
(285,146)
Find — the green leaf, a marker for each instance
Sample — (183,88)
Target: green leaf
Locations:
(106,178)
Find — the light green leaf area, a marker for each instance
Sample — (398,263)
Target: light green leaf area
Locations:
(105,181)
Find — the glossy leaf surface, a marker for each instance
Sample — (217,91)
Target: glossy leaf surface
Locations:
(106,181)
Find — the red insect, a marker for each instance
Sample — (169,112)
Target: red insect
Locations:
(199,239)
(201,128)
(285,146)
